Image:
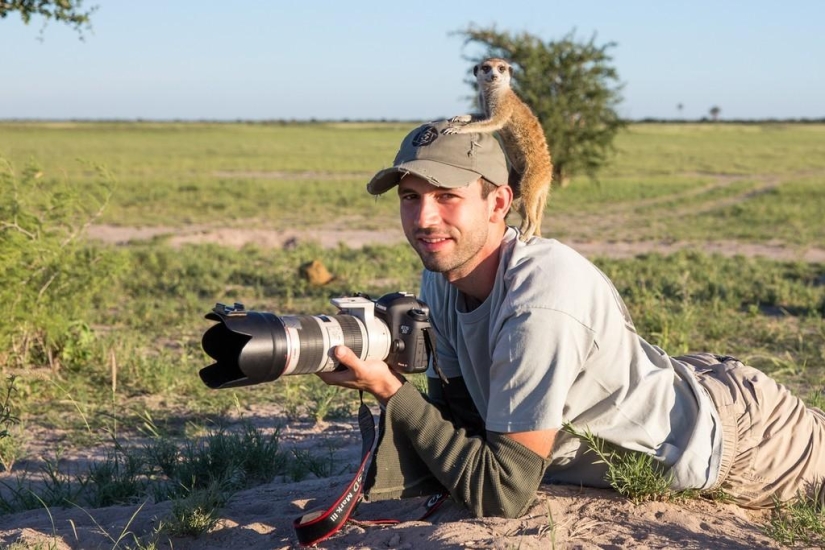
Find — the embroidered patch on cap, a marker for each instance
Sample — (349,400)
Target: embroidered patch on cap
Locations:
(426,136)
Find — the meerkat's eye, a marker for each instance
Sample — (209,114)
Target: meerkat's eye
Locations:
(502,69)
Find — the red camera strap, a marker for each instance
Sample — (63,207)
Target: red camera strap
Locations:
(319,524)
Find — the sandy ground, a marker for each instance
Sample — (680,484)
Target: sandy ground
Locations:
(355,238)
(261,517)
(608,232)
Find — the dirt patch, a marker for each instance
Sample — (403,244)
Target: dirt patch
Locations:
(237,238)
(775,251)
(332,237)
(611,232)
(563,517)
(261,517)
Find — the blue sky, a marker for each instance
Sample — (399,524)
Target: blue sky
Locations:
(185,59)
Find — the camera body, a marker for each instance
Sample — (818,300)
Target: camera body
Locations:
(407,319)
(251,347)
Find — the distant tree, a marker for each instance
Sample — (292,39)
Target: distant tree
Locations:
(714,113)
(63,11)
(680,107)
(573,89)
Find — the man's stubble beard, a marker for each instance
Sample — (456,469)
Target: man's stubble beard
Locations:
(465,248)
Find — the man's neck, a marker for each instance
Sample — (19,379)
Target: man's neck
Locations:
(478,283)
(470,303)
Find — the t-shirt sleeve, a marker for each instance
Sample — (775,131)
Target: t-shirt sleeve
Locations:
(537,356)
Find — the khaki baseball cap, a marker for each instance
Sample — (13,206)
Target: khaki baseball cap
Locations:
(444,160)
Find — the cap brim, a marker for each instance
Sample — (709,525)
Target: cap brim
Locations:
(436,173)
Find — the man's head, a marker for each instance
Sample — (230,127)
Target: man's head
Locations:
(454,160)
(453,198)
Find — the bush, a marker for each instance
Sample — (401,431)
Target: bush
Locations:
(50,279)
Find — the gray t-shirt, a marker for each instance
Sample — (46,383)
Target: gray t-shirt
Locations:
(554,343)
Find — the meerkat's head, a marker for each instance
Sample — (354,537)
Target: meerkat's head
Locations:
(493,72)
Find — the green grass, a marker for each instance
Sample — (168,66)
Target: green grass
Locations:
(768,313)
(197,474)
(173,174)
(740,149)
(632,474)
(278,175)
(786,213)
(800,524)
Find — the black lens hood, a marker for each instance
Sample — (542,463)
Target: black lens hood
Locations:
(248,347)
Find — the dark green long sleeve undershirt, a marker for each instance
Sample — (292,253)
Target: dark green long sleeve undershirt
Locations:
(495,476)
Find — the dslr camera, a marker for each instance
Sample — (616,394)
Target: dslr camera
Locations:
(251,347)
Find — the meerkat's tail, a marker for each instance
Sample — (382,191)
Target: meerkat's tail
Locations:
(532,203)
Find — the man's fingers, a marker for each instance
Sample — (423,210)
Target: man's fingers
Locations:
(373,376)
(342,353)
(346,356)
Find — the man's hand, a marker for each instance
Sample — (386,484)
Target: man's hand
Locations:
(372,376)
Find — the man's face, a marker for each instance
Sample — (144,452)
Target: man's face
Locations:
(447,227)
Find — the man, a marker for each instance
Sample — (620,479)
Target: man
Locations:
(531,336)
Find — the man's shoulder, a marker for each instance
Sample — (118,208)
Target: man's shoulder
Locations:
(546,258)
(546,273)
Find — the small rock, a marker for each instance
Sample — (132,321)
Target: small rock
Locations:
(316,273)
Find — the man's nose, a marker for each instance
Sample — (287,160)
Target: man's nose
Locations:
(427,212)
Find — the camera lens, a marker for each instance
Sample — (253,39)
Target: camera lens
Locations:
(254,347)
(310,339)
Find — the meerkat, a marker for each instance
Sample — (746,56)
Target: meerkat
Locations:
(522,136)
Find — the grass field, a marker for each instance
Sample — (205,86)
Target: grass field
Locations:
(101,336)
(279,176)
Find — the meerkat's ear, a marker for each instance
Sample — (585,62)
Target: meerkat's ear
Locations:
(475,69)
(510,69)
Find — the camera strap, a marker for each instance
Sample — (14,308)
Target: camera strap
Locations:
(429,343)
(319,524)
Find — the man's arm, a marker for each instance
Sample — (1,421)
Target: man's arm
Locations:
(496,476)
(492,476)
(540,442)
(455,397)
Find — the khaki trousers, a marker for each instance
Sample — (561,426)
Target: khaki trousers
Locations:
(773,446)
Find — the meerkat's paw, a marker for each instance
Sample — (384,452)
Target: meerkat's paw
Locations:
(461,119)
(451,130)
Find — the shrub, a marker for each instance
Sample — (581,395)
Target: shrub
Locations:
(50,279)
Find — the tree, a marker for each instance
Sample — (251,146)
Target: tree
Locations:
(571,87)
(714,113)
(63,11)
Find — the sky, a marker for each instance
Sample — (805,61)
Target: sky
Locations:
(260,60)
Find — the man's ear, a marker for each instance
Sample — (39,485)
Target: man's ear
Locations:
(501,198)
